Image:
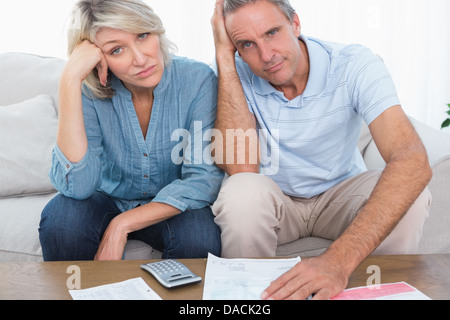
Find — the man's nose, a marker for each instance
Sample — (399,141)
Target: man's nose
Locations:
(266,52)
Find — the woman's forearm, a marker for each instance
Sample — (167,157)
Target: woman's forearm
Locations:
(71,135)
(146,215)
(114,239)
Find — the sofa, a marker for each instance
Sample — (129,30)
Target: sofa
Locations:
(28,122)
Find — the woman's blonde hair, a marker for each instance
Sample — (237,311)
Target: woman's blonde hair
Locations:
(132,16)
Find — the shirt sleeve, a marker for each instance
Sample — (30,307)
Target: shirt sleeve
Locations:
(200,178)
(371,88)
(80,180)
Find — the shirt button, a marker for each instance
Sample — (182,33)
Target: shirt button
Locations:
(145,176)
(68,166)
(145,155)
(145,193)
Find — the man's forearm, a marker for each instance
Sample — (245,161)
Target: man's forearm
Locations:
(401,183)
(234,117)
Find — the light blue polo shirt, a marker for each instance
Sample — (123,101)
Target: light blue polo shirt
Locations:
(316,134)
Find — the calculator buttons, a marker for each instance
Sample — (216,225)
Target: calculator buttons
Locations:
(171,273)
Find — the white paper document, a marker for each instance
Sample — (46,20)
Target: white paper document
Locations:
(134,289)
(242,279)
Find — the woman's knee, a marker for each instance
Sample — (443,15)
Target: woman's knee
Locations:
(194,235)
(55,215)
(75,224)
(64,210)
(56,228)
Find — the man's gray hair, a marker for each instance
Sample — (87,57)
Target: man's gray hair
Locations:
(231,6)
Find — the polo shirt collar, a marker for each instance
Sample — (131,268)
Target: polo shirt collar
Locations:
(318,76)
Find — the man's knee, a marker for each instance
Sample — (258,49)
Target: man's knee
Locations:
(242,192)
(246,213)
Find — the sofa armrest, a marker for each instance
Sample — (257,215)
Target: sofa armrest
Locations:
(437,144)
(436,238)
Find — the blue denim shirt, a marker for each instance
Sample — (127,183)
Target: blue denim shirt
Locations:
(133,170)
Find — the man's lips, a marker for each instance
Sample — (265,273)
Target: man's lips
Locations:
(276,67)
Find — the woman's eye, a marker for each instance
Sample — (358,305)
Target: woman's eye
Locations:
(142,36)
(116,51)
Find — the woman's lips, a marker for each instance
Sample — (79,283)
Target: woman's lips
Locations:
(146,73)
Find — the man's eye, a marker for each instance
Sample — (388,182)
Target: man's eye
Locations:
(273,32)
(247,45)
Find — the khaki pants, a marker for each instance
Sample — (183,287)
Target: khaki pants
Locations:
(255,216)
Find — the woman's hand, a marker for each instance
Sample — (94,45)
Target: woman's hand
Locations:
(115,237)
(71,136)
(113,243)
(85,57)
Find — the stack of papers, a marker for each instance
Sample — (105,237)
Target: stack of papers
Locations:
(390,291)
(134,289)
(242,279)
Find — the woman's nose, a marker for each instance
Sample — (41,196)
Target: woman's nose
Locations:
(139,58)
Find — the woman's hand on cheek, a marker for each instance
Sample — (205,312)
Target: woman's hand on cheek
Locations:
(85,57)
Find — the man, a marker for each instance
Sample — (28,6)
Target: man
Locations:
(313,95)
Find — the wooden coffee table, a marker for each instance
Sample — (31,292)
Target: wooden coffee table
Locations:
(48,280)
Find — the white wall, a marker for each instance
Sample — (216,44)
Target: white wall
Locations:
(412,36)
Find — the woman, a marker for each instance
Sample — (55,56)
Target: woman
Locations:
(122,95)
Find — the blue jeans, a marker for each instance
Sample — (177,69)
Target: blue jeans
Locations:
(71,230)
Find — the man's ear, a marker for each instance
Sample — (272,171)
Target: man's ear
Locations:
(296,25)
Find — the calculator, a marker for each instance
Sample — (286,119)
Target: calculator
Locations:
(171,273)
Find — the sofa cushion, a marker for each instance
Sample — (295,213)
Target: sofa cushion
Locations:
(138,250)
(27,137)
(305,247)
(19,224)
(24,76)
